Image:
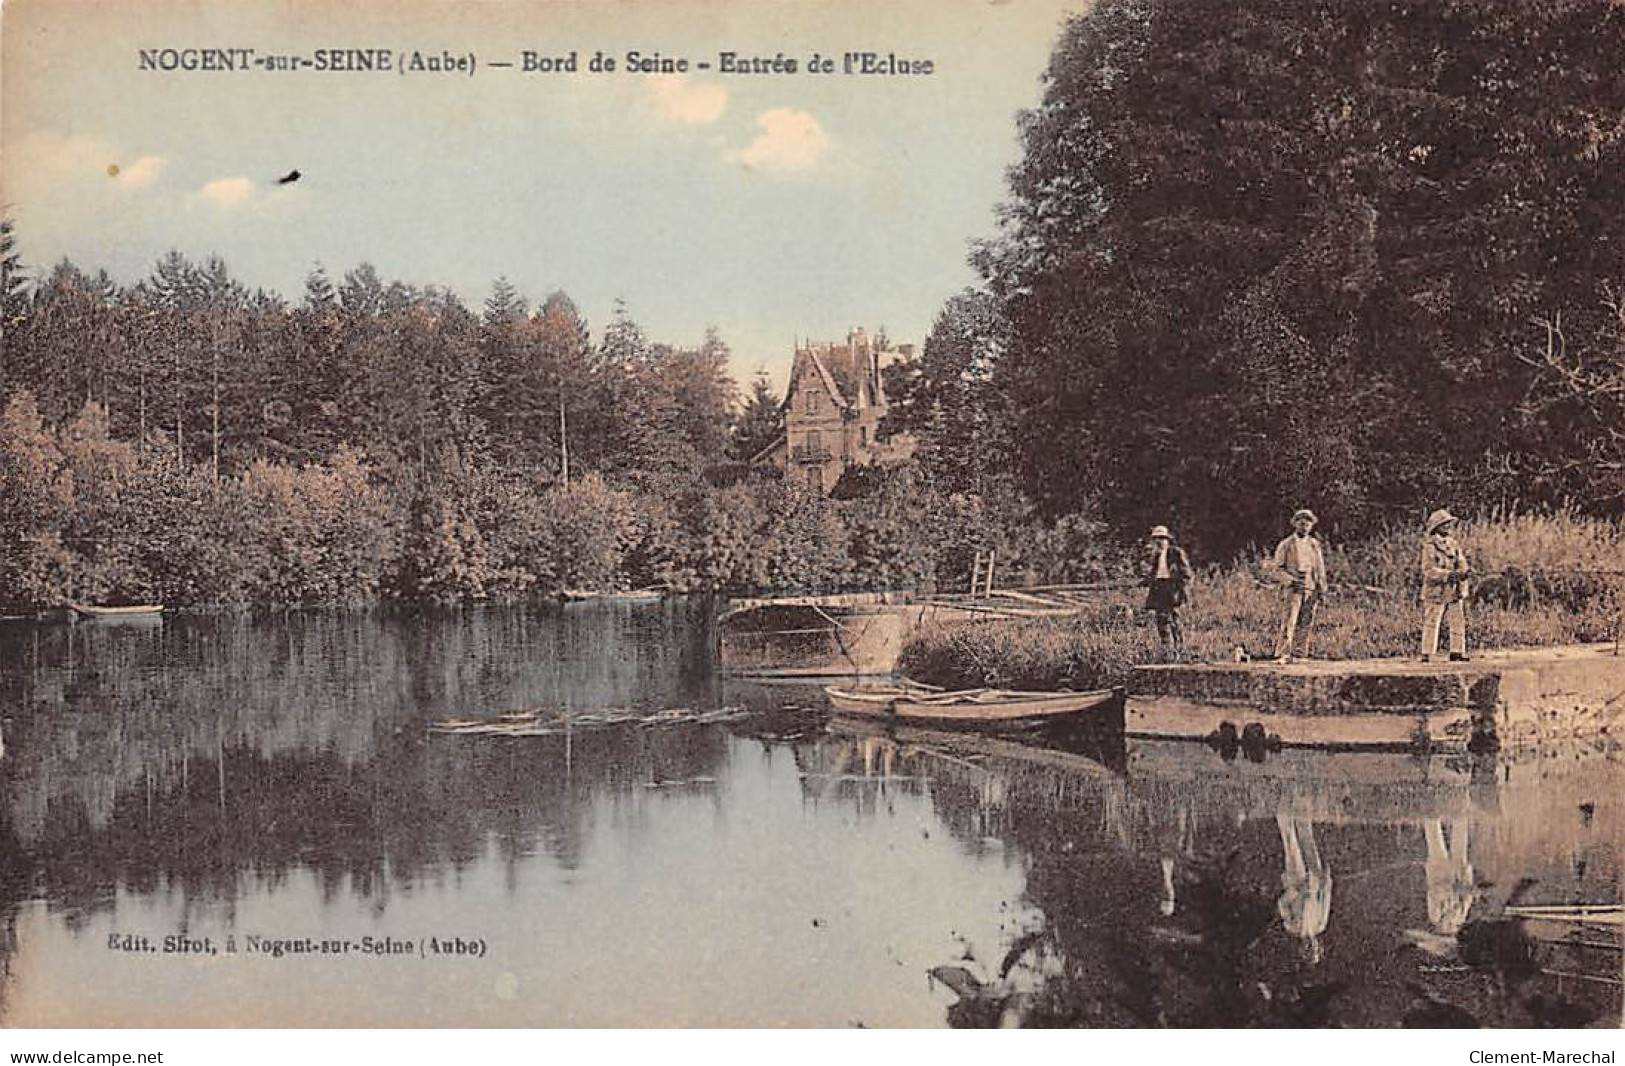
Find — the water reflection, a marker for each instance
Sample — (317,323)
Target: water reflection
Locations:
(1239,923)
(221,776)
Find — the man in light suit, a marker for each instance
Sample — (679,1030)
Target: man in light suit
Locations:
(1300,565)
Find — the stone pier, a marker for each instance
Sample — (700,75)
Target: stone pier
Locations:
(1498,697)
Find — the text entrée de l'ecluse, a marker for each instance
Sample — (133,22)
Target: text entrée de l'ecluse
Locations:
(239,60)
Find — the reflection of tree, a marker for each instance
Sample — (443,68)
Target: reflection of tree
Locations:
(13,888)
(194,753)
(417,810)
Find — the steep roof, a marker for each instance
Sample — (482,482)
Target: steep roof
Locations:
(825,376)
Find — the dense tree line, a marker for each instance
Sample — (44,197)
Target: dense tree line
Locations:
(189,441)
(190,361)
(1360,255)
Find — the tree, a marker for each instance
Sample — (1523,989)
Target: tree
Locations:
(519,393)
(176,283)
(361,293)
(760,422)
(13,286)
(504,304)
(957,407)
(1260,255)
(1573,415)
(319,295)
(36,498)
(565,347)
(647,447)
(704,394)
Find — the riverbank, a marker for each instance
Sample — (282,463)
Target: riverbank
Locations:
(1546,580)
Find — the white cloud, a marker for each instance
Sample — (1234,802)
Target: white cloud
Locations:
(677,99)
(48,165)
(228,192)
(787,140)
(143,171)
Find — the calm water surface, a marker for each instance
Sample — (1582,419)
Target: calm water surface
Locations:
(216,778)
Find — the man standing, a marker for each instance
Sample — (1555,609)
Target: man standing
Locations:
(1165,572)
(1444,586)
(1302,569)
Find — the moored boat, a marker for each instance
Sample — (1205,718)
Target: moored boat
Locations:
(650,594)
(857,635)
(862,634)
(874,699)
(978,708)
(135,610)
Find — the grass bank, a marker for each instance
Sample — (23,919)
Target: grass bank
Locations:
(1540,580)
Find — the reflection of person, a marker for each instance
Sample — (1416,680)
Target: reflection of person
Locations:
(1450,887)
(1301,567)
(1178,845)
(1306,897)
(1444,586)
(1165,571)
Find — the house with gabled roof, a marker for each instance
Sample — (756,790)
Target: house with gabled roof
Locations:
(833,409)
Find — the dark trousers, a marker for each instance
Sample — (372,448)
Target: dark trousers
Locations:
(1164,598)
(1170,635)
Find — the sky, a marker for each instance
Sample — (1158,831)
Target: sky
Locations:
(774,206)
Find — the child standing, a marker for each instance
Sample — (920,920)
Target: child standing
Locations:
(1444,587)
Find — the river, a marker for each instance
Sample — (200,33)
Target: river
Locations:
(224,819)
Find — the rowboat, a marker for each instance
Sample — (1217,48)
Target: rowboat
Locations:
(649,594)
(86,610)
(876,699)
(977,708)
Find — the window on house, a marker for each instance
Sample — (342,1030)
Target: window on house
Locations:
(863,435)
(815,440)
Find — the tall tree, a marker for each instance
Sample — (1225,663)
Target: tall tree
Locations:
(760,422)
(361,292)
(704,393)
(319,294)
(1259,255)
(960,412)
(579,397)
(13,284)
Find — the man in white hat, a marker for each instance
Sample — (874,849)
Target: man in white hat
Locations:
(1301,567)
(1165,572)
(1444,587)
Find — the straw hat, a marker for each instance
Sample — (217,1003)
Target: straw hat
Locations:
(1304,512)
(1439,518)
(1161,531)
